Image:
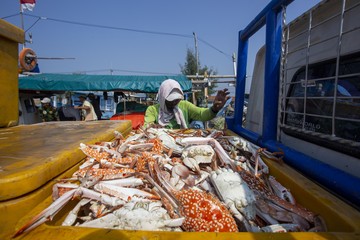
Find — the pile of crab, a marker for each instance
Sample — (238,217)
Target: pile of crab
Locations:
(177,180)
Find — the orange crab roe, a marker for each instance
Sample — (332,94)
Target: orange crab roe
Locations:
(204,213)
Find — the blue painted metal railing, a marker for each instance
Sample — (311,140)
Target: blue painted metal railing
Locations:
(335,180)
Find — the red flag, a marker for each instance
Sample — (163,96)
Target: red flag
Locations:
(27,4)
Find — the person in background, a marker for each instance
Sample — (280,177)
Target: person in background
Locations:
(47,112)
(87,109)
(95,101)
(174,112)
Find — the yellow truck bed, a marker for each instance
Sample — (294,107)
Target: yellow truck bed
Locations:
(342,220)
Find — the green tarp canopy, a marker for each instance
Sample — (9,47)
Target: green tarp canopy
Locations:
(77,82)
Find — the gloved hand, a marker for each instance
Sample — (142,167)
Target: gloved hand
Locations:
(220,100)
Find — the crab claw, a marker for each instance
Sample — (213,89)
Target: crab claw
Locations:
(48,213)
(59,203)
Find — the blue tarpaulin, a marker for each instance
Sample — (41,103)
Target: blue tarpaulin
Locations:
(77,82)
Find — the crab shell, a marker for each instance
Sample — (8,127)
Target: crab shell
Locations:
(234,191)
(201,153)
(138,216)
(204,213)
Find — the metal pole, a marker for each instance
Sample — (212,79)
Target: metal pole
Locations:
(196,54)
(22,23)
(234,64)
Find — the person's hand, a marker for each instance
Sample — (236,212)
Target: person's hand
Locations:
(76,107)
(220,99)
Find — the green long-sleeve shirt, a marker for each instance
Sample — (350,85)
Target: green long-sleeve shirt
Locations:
(190,112)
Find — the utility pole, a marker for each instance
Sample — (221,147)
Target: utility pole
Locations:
(197,65)
(197,54)
(22,23)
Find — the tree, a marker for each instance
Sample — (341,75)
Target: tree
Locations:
(189,68)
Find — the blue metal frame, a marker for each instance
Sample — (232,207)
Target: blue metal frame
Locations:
(335,180)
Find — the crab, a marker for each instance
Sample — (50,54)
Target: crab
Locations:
(168,141)
(236,194)
(203,211)
(138,216)
(192,156)
(234,191)
(114,195)
(263,192)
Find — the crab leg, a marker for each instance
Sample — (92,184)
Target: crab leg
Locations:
(104,198)
(56,192)
(124,193)
(125,182)
(93,153)
(162,192)
(140,146)
(125,145)
(258,161)
(57,205)
(281,191)
(71,217)
(48,213)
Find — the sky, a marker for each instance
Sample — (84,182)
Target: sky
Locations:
(139,37)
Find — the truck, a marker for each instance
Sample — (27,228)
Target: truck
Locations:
(305,95)
(34,157)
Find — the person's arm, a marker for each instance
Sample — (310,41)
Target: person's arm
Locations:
(82,107)
(206,114)
(151,115)
(86,106)
(198,113)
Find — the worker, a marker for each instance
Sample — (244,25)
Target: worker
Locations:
(174,112)
(47,112)
(87,109)
(95,101)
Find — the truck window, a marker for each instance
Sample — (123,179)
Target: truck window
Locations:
(309,105)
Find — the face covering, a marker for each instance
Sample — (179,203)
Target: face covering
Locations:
(170,90)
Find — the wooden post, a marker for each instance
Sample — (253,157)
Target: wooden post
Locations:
(194,98)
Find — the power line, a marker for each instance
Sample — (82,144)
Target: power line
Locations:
(117,28)
(117,70)
(13,15)
(123,29)
(109,27)
(203,41)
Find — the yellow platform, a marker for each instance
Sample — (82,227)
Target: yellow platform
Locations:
(10,36)
(31,156)
(342,220)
